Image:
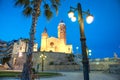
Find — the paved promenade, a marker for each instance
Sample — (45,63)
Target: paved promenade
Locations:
(79,76)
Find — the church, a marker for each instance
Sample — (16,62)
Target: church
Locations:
(53,44)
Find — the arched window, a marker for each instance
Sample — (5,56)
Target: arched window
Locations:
(68,49)
(51,44)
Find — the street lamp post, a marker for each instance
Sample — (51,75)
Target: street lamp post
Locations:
(43,57)
(77,49)
(85,60)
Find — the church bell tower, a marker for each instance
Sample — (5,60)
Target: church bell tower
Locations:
(44,40)
(62,31)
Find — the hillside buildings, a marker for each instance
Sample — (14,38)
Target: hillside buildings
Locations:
(20,46)
(48,44)
(57,50)
(15,46)
(3,46)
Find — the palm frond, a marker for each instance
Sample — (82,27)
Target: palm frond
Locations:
(23,3)
(52,1)
(48,14)
(19,2)
(27,3)
(46,6)
(47,11)
(27,11)
(32,2)
(55,7)
(57,2)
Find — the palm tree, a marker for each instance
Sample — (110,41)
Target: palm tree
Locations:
(26,43)
(32,7)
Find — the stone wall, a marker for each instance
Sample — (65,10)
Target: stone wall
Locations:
(18,61)
(60,62)
(52,62)
(63,68)
(114,68)
(101,65)
(2,67)
(55,61)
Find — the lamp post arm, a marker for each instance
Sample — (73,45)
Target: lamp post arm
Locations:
(73,9)
(86,12)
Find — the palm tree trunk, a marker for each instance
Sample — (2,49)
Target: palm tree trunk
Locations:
(27,68)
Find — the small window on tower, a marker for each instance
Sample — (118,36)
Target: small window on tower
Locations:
(68,49)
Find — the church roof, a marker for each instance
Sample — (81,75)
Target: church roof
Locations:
(61,23)
(45,30)
(52,37)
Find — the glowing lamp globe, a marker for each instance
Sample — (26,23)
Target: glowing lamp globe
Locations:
(73,19)
(70,14)
(89,51)
(90,54)
(89,19)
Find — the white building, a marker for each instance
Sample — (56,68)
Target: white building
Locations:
(20,46)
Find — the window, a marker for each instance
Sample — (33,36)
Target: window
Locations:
(51,44)
(20,48)
(68,49)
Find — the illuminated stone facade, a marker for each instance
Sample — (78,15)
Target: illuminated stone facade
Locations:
(56,44)
(21,46)
(18,48)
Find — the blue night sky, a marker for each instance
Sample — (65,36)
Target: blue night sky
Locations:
(103,35)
